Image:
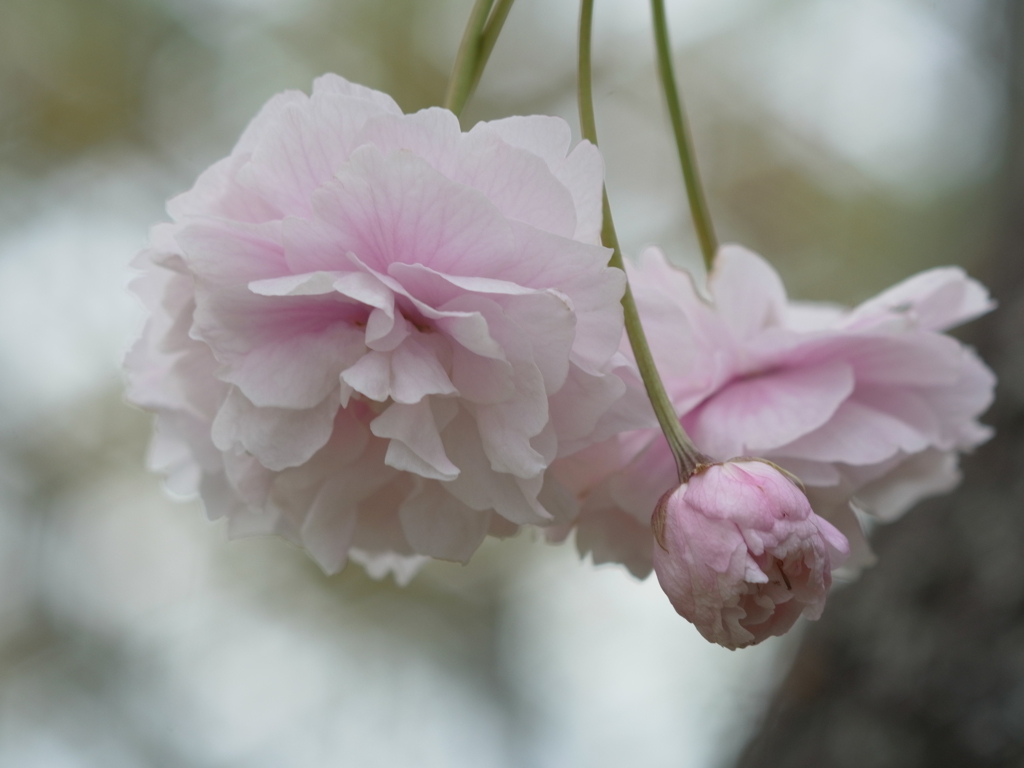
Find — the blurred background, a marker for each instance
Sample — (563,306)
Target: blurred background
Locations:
(852,143)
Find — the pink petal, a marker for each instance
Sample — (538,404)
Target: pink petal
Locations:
(518,182)
(757,414)
(480,487)
(751,494)
(928,473)
(330,527)
(935,300)
(581,171)
(692,345)
(609,535)
(277,437)
(748,293)
(840,515)
(415,441)
(266,120)
(386,330)
(481,380)
(432,134)
(810,473)
(335,84)
(380,529)
(438,525)
(809,317)
(366,289)
(313,246)
(581,273)
(228,253)
(506,428)
(582,401)
(407,374)
(416,372)
(907,359)
(856,434)
(306,284)
(637,488)
(436,288)
(308,144)
(557,500)
(297,371)
(542,135)
(370,375)
(548,322)
(631,412)
(399,209)
(218,193)
(910,405)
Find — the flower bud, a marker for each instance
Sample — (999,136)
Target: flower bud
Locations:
(740,553)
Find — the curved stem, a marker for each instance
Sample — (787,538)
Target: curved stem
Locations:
(464,72)
(686,455)
(684,142)
(478,41)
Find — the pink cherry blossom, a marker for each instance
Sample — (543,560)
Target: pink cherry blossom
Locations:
(740,553)
(869,407)
(371,331)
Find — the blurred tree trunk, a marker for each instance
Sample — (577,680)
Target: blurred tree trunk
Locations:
(921,663)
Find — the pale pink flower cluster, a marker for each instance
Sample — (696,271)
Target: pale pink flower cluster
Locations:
(740,554)
(372,332)
(386,339)
(868,407)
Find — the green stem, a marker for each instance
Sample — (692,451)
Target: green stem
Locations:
(686,455)
(684,142)
(460,84)
(489,38)
(478,41)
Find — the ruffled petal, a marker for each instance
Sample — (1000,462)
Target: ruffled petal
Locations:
(415,441)
(757,414)
(934,300)
(277,437)
(856,434)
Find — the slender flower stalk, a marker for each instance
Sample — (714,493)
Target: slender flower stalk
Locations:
(684,142)
(482,30)
(488,38)
(686,455)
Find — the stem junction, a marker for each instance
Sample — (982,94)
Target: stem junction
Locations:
(482,30)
